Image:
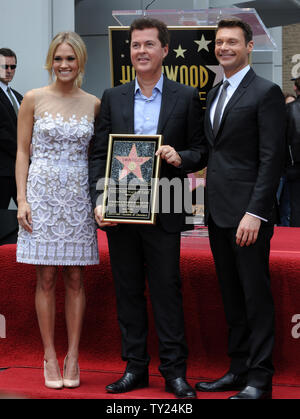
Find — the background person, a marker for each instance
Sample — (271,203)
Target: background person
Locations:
(293,168)
(283,195)
(10,101)
(289,98)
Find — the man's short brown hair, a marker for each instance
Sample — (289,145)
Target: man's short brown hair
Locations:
(148,23)
(6,52)
(234,22)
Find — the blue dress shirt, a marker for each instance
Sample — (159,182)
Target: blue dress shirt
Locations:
(147,110)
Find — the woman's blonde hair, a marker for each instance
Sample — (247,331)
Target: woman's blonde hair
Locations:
(76,42)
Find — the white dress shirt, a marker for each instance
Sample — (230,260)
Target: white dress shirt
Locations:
(4,88)
(234,83)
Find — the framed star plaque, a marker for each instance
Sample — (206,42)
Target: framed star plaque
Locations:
(131,179)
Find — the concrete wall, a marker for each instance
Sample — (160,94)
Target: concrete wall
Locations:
(29,39)
(27,27)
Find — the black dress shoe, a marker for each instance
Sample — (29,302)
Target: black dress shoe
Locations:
(229,382)
(253,393)
(181,388)
(129,382)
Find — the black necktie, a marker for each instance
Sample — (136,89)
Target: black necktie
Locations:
(13,101)
(219,108)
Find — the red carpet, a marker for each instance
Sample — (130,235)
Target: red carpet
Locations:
(100,346)
(28,382)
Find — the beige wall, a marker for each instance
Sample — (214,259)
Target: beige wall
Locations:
(290,55)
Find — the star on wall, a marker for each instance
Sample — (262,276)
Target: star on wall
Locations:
(219,73)
(203,44)
(180,52)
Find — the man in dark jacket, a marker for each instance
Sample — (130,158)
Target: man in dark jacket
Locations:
(245,130)
(9,105)
(155,249)
(293,169)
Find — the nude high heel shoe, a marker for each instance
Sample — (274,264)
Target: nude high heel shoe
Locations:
(53,384)
(71,383)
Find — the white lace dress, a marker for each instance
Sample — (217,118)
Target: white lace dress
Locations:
(64,230)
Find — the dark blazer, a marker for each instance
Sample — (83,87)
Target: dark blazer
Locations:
(247,156)
(8,134)
(179,123)
(293,131)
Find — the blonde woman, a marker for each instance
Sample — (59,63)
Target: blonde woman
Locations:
(54,210)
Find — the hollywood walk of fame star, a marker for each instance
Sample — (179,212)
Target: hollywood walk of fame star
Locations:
(203,44)
(180,52)
(132,163)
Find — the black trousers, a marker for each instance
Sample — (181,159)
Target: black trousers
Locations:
(294,191)
(137,251)
(244,278)
(8,190)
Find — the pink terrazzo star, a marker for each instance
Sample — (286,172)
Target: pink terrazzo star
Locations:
(132,164)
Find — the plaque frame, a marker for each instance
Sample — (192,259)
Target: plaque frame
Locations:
(118,139)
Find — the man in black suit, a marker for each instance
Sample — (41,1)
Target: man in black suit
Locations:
(245,131)
(139,250)
(9,104)
(293,166)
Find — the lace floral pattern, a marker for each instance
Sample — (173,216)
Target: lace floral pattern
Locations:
(64,230)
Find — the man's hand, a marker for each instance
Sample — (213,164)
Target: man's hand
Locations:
(169,154)
(247,231)
(99,218)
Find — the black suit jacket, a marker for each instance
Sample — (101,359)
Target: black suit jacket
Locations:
(246,158)
(179,123)
(293,131)
(8,134)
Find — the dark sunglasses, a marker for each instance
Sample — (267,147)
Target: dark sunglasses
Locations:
(7,66)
